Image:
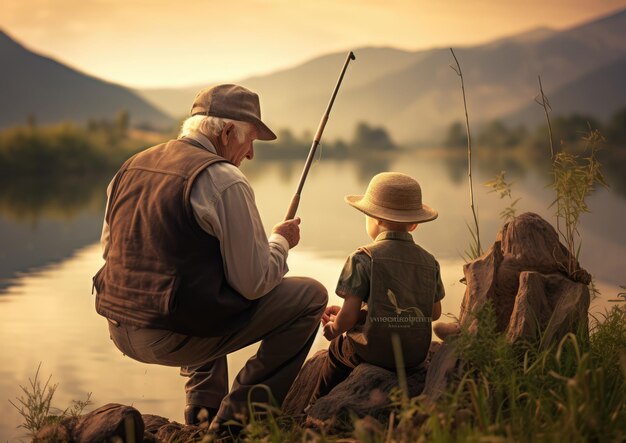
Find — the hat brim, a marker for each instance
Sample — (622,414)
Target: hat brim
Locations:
(423,215)
(263,132)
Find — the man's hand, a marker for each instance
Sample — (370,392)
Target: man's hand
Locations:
(329,331)
(329,313)
(289,229)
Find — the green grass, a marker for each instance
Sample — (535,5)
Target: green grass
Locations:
(574,390)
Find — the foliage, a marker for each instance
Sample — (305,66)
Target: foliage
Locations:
(366,138)
(456,136)
(503,189)
(497,135)
(567,130)
(573,390)
(475,248)
(36,403)
(575,178)
(616,128)
(66,149)
(372,137)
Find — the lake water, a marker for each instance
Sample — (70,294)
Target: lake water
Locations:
(49,250)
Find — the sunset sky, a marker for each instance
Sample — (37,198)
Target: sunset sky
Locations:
(153,43)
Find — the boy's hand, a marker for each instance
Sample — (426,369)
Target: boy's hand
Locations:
(328,312)
(329,331)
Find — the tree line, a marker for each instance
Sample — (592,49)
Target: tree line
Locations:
(566,129)
(365,137)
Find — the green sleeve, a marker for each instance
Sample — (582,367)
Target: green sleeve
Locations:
(355,276)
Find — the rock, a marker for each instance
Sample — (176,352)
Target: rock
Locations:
(109,421)
(480,278)
(114,422)
(555,303)
(526,245)
(364,392)
(441,366)
(152,423)
(301,391)
(524,275)
(55,431)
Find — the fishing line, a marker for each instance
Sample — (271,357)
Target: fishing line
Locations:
(319,156)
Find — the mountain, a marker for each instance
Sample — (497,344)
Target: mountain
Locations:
(301,82)
(34,85)
(416,95)
(599,93)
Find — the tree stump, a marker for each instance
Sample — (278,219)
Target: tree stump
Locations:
(524,275)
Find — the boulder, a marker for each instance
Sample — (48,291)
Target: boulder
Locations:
(109,421)
(116,422)
(549,303)
(301,391)
(365,391)
(524,274)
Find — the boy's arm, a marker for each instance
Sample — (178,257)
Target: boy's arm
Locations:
(436,311)
(346,318)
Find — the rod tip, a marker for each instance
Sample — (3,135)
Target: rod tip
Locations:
(352,57)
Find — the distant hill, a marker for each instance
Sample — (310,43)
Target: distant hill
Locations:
(31,84)
(416,95)
(599,94)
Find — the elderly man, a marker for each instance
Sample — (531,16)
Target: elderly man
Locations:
(190,275)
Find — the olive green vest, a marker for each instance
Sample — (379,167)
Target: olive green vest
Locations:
(403,288)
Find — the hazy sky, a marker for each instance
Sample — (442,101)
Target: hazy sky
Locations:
(151,43)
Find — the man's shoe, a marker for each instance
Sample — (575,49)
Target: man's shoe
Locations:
(197,415)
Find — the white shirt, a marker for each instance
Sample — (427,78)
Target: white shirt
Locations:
(223,205)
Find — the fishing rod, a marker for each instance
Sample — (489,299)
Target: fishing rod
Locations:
(295,201)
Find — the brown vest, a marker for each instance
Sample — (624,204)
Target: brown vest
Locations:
(162,270)
(403,287)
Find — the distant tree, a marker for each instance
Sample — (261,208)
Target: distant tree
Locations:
(122,123)
(616,128)
(340,148)
(286,138)
(31,121)
(370,137)
(497,134)
(456,136)
(570,129)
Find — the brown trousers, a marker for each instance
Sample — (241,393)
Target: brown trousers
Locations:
(285,322)
(339,363)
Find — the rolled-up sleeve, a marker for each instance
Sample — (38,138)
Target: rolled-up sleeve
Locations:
(225,208)
(355,276)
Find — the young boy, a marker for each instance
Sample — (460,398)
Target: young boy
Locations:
(392,286)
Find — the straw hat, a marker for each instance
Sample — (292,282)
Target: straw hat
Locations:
(395,197)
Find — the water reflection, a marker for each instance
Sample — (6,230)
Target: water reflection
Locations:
(27,200)
(289,170)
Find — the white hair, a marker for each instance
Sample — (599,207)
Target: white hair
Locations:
(211,127)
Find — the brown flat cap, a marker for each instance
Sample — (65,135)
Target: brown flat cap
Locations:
(234,102)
